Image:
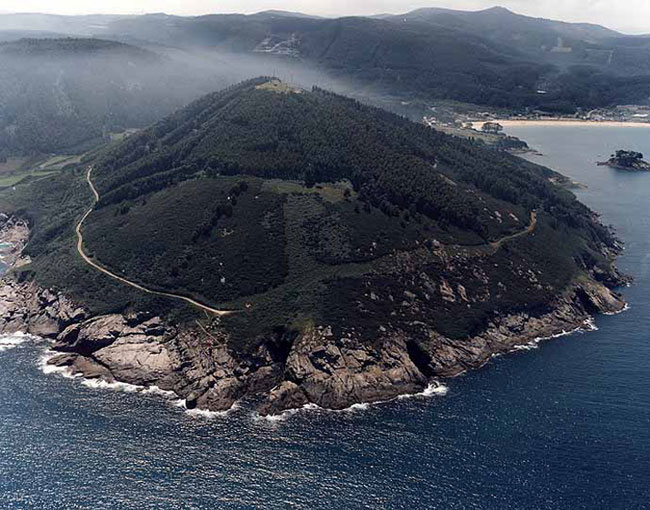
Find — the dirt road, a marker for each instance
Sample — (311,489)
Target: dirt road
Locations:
(95,265)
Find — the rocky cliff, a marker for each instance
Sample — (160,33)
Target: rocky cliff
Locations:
(288,369)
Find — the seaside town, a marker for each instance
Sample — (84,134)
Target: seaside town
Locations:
(460,118)
(488,126)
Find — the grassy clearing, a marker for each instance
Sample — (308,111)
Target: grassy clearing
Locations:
(331,192)
(15,179)
(12,165)
(118,137)
(278,87)
(21,170)
(58,162)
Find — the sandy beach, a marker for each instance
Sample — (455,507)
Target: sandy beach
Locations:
(568,122)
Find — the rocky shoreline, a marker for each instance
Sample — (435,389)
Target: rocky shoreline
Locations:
(287,370)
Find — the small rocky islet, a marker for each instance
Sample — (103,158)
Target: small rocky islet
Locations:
(627,160)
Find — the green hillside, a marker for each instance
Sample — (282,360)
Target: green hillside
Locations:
(65,95)
(296,207)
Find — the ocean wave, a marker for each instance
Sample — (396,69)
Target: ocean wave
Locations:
(52,369)
(203,413)
(433,389)
(284,416)
(589,325)
(99,384)
(155,390)
(11,341)
(625,309)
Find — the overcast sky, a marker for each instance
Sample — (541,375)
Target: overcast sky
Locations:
(625,15)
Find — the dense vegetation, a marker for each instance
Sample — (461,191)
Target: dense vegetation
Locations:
(492,57)
(299,207)
(64,95)
(293,204)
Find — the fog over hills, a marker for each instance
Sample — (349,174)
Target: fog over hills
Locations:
(492,57)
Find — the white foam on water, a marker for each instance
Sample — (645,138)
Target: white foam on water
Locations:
(101,384)
(155,390)
(205,414)
(52,369)
(589,325)
(625,309)
(357,407)
(433,389)
(11,341)
(277,418)
(527,347)
(181,403)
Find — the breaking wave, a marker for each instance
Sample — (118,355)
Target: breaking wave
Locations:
(202,413)
(433,389)
(588,325)
(11,341)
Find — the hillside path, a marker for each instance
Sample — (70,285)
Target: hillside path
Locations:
(528,230)
(95,265)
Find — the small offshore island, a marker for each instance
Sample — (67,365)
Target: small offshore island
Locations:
(627,160)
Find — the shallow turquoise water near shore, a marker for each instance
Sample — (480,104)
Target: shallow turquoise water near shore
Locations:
(566,425)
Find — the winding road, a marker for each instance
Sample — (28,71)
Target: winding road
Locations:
(80,249)
(90,262)
(528,230)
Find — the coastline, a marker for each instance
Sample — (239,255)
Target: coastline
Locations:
(133,351)
(446,360)
(506,123)
(435,387)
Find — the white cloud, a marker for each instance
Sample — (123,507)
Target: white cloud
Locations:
(627,15)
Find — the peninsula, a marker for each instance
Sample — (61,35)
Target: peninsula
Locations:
(365,256)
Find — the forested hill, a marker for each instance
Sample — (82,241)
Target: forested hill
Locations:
(267,129)
(72,47)
(299,206)
(59,95)
(493,57)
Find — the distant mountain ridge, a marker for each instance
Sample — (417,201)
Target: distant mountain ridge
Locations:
(493,57)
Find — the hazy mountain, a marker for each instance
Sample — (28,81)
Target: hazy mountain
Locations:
(58,93)
(492,57)
(556,42)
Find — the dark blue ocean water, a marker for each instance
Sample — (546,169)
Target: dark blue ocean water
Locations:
(563,426)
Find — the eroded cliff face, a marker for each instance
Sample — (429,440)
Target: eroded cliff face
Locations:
(288,369)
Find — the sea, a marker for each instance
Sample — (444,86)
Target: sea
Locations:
(564,424)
